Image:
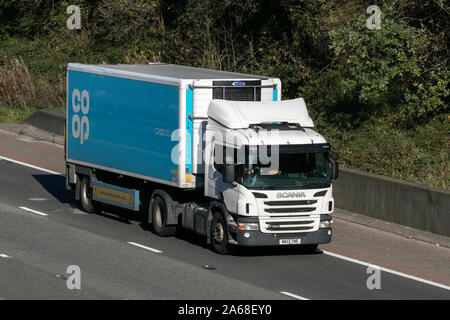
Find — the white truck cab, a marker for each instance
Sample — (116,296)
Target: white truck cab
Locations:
(271,171)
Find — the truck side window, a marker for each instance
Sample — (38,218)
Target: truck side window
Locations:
(219,158)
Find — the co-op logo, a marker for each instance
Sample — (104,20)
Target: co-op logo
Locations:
(80,126)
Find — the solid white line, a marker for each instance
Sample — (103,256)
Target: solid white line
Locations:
(34,211)
(144,247)
(397,273)
(2,255)
(30,166)
(37,199)
(293,295)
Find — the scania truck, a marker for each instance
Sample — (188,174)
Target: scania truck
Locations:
(217,153)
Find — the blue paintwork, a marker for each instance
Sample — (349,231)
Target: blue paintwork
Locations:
(275,94)
(135,194)
(189,129)
(130,124)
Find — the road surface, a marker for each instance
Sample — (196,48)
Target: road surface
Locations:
(43,232)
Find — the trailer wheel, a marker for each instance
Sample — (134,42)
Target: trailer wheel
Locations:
(219,238)
(159,218)
(89,205)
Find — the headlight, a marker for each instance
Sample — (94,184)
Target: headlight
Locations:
(326,224)
(248,226)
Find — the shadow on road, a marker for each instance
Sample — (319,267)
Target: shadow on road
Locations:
(272,251)
(55,185)
(200,241)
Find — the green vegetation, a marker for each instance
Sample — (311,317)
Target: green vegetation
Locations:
(14,115)
(379,96)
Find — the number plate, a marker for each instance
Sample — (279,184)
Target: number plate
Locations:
(290,241)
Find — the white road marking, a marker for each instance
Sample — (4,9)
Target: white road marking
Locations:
(144,247)
(293,295)
(34,211)
(2,255)
(397,273)
(78,211)
(30,166)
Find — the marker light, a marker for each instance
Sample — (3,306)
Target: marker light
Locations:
(248,226)
(326,224)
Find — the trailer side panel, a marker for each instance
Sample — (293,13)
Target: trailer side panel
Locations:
(122,125)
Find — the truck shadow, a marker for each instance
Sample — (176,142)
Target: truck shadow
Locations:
(200,241)
(272,251)
(55,186)
(192,238)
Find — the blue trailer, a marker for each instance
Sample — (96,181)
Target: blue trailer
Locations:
(139,137)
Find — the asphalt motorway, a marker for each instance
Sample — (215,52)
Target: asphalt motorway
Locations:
(119,258)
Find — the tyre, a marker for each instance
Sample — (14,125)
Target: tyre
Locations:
(219,234)
(89,205)
(159,218)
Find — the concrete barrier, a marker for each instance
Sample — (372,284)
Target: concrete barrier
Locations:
(47,120)
(393,200)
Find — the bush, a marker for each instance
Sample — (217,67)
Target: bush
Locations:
(17,89)
(399,73)
(379,96)
(128,23)
(418,155)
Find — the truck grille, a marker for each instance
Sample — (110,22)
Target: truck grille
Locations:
(290,203)
(289,225)
(279,226)
(290,207)
(289,210)
(290,216)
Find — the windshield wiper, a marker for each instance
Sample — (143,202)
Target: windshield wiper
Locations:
(312,185)
(278,186)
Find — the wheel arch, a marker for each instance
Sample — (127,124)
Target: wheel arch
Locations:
(172,217)
(216,206)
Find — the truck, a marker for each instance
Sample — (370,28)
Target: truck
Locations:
(213,152)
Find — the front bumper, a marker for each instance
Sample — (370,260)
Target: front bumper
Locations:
(257,238)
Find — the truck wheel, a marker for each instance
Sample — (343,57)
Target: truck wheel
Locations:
(219,239)
(89,205)
(159,218)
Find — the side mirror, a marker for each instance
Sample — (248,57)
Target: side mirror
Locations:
(333,155)
(228,173)
(334,170)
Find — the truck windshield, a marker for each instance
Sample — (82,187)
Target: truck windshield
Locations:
(302,170)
